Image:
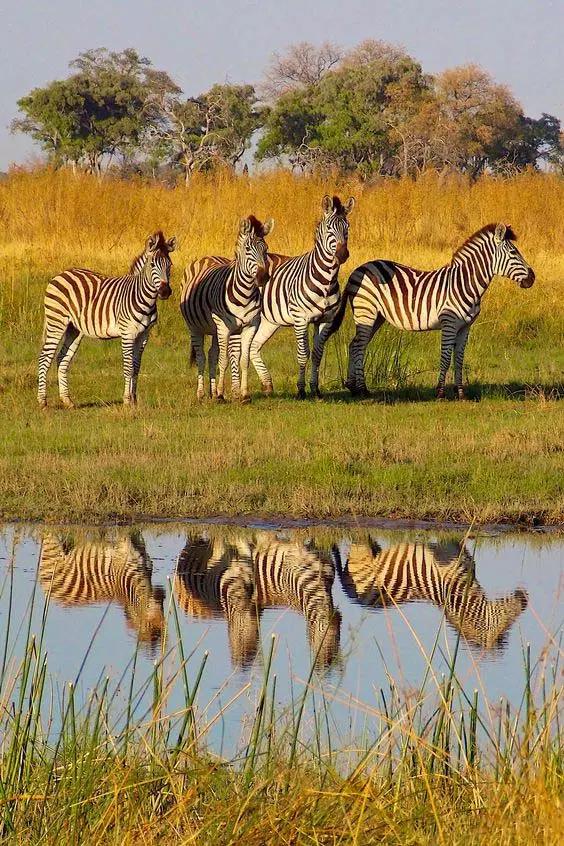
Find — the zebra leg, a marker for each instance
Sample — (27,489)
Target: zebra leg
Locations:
(459,347)
(127,345)
(197,346)
(316,357)
(301,330)
(234,351)
(138,350)
(71,343)
(52,335)
(213,356)
(247,335)
(265,331)
(356,381)
(223,344)
(450,325)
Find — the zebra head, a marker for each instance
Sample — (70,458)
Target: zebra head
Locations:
(251,250)
(333,229)
(158,263)
(507,260)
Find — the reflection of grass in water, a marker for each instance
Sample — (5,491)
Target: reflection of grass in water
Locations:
(433,764)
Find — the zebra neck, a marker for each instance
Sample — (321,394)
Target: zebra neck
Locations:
(241,288)
(322,265)
(143,285)
(474,268)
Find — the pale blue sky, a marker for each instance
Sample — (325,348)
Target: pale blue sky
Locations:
(519,41)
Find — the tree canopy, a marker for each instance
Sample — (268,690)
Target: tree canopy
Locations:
(370,110)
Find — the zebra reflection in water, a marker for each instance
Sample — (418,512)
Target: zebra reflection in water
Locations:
(117,572)
(440,573)
(239,578)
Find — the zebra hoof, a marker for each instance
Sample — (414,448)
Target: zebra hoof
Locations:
(67,403)
(440,393)
(219,398)
(301,395)
(245,399)
(315,392)
(267,388)
(42,403)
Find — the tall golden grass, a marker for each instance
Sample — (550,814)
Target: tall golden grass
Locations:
(52,219)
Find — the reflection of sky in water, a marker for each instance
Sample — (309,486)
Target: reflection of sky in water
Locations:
(373,643)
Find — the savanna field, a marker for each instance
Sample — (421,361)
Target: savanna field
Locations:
(124,761)
(498,457)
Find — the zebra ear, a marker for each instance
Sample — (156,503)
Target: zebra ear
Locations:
(327,204)
(350,205)
(500,231)
(267,227)
(171,244)
(152,243)
(244,226)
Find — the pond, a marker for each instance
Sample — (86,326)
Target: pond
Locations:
(354,613)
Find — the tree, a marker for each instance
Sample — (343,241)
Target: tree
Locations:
(348,115)
(303,65)
(215,127)
(102,109)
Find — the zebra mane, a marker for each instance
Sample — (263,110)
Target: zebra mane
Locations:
(485,230)
(338,207)
(139,261)
(257,226)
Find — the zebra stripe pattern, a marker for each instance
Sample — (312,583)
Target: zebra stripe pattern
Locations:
(222,299)
(304,290)
(97,572)
(81,303)
(419,300)
(441,574)
(239,579)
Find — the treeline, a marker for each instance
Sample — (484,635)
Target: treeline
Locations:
(371,110)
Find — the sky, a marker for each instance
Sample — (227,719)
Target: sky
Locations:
(518,41)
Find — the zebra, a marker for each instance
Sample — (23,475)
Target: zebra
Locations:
(443,574)
(105,572)
(419,300)
(81,303)
(221,298)
(214,578)
(303,290)
(239,579)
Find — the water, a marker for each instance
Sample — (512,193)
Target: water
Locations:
(367,608)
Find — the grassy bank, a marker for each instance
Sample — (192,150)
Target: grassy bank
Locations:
(433,765)
(500,457)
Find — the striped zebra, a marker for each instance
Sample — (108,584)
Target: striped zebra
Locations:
(81,303)
(118,572)
(439,573)
(221,298)
(239,579)
(303,290)
(214,578)
(419,300)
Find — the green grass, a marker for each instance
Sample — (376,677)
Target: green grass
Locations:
(499,457)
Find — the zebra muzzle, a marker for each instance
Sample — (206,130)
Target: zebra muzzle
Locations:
(526,283)
(164,291)
(342,253)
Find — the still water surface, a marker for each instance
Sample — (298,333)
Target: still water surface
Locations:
(364,607)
